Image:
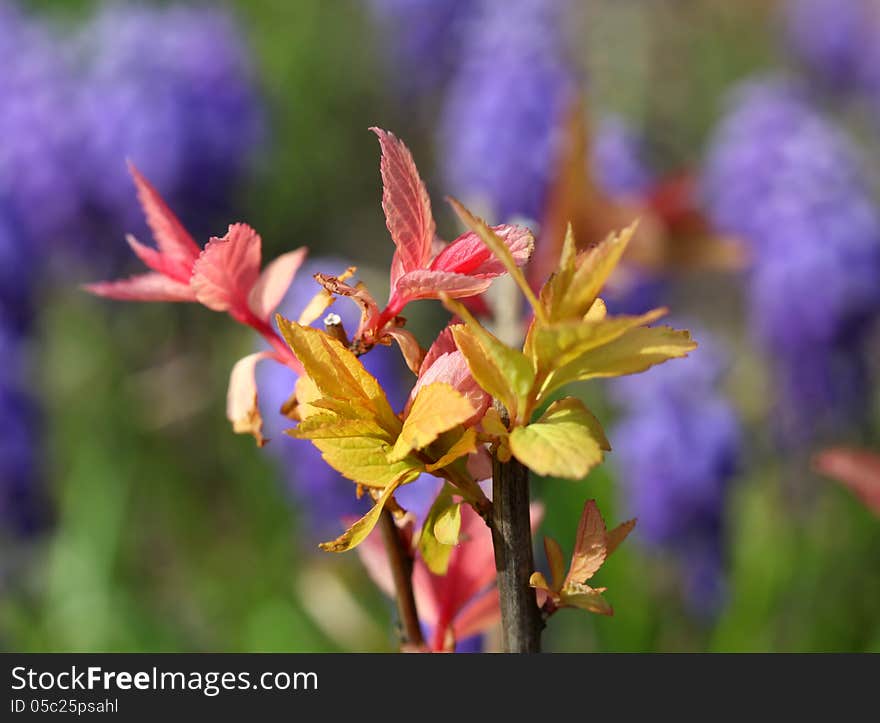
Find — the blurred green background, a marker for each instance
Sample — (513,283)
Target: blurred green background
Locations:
(168,533)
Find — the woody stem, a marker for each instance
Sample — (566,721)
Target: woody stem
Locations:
(521,621)
(401,563)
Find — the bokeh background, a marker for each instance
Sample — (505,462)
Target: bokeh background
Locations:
(746,137)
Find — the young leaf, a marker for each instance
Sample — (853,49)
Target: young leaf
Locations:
(618,535)
(273,282)
(362,459)
(227,269)
(505,373)
(498,247)
(466,444)
(556,561)
(336,372)
(242,408)
(590,548)
(406,204)
(566,441)
(553,346)
(437,408)
(434,552)
(448,525)
(635,351)
(358,532)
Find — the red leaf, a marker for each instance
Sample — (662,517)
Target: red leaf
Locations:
(424,284)
(406,205)
(227,270)
(857,469)
(469,255)
(145,287)
(173,240)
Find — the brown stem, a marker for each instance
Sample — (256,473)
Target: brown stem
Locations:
(512,539)
(401,562)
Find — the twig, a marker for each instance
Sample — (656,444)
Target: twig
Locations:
(401,563)
(512,539)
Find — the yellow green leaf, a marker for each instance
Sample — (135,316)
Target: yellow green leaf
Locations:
(358,532)
(437,408)
(538,581)
(635,351)
(464,445)
(566,441)
(364,460)
(592,269)
(448,525)
(331,426)
(507,374)
(492,423)
(552,347)
(434,552)
(336,371)
(497,246)
(588,599)
(557,285)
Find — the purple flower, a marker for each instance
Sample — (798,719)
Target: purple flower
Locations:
(325,496)
(676,449)
(620,159)
(424,37)
(171,89)
(782,177)
(503,115)
(21,511)
(39,127)
(837,40)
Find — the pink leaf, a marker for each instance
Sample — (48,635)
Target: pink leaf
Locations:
(452,368)
(470,256)
(273,283)
(481,614)
(242,408)
(406,205)
(227,270)
(172,238)
(857,469)
(424,284)
(145,287)
(443,344)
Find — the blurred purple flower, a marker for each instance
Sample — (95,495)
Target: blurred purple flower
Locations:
(782,177)
(837,41)
(505,107)
(620,159)
(424,37)
(325,496)
(21,511)
(172,89)
(677,448)
(39,127)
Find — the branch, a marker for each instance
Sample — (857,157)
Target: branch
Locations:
(401,563)
(521,620)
